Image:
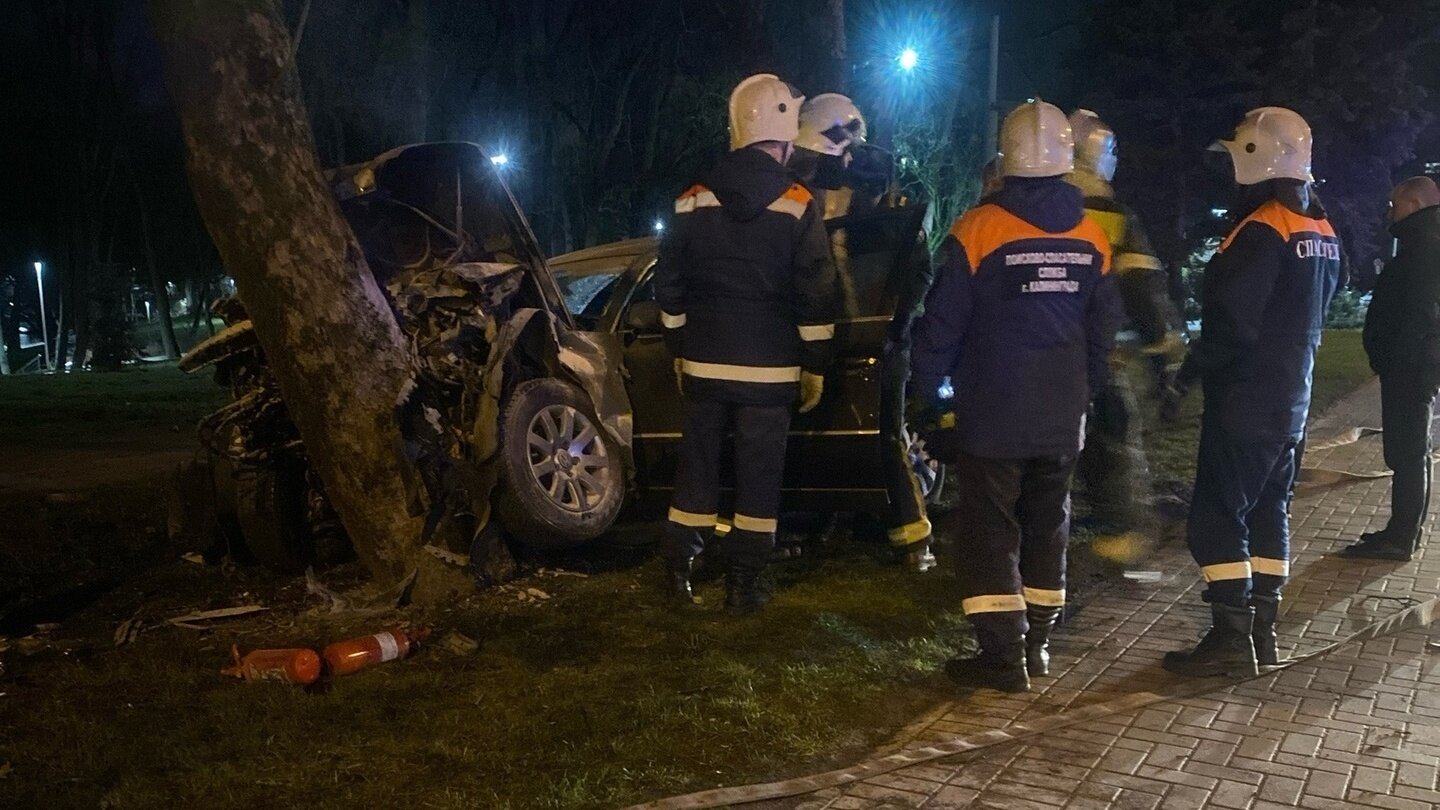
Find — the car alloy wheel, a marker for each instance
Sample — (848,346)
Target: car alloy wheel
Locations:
(567,458)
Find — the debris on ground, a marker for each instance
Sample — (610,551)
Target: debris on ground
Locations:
(193,557)
(555,572)
(446,556)
(354,654)
(300,665)
(1143,576)
(129,630)
(190,620)
(383,602)
(458,643)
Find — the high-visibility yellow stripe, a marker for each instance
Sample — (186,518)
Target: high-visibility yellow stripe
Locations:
(910,532)
(1271,566)
(691,519)
(722,526)
(688,203)
(756,374)
(1045,597)
(994,603)
(788,205)
(1126,262)
(1230,570)
(820,332)
(672,321)
(745,523)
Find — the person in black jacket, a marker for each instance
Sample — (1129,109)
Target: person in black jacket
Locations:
(748,293)
(1402,339)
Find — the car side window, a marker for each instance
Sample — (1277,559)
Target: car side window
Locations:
(868,251)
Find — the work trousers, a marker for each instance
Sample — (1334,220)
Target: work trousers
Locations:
(1239,525)
(1112,466)
(760,433)
(1009,530)
(1407,405)
(908,520)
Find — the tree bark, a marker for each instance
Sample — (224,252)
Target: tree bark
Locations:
(327,331)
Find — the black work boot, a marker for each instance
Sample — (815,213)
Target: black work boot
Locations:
(678,553)
(1037,638)
(743,593)
(1226,649)
(746,555)
(1002,669)
(1381,545)
(918,557)
(1267,651)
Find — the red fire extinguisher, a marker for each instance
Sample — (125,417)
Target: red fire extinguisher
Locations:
(299,666)
(355,654)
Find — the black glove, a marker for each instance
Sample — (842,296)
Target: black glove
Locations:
(1112,418)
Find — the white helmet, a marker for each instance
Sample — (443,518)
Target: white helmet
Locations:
(1094,145)
(1270,143)
(1036,141)
(829,124)
(764,108)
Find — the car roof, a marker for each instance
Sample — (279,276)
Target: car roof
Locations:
(624,251)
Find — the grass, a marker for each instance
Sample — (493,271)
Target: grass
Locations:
(53,410)
(596,697)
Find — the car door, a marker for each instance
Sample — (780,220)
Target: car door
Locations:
(835,448)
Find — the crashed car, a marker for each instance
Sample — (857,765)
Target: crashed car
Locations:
(511,397)
(833,453)
(542,387)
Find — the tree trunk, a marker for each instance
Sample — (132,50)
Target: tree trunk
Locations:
(157,285)
(325,326)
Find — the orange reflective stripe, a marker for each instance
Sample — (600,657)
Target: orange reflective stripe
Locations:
(989,227)
(798,193)
(1274,215)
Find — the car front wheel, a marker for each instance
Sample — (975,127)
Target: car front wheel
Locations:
(562,484)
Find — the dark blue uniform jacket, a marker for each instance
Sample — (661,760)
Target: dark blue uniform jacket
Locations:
(746,283)
(1022,318)
(1264,298)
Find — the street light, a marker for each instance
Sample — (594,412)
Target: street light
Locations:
(659,226)
(908,59)
(500,160)
(44,327)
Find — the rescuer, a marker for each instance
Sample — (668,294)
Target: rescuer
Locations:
(1113,464)
(1021,319)
(1264,296)
(748,293)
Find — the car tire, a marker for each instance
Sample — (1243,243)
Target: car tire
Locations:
(271,510)
(562,482)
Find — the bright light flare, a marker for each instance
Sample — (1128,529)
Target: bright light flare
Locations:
(501,159)
(908,59)
(659,226)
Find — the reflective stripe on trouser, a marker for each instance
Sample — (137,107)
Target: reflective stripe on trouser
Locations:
(1112,466)
(1010,528)
(908,521)
(760,433)
(1239,525)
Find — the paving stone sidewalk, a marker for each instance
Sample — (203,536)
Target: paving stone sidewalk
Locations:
(1356,727)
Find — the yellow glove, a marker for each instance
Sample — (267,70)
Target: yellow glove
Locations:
(812,386)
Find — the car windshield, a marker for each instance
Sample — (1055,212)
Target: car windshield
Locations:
(586,294)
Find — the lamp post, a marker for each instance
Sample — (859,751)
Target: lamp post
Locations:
(44,327)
